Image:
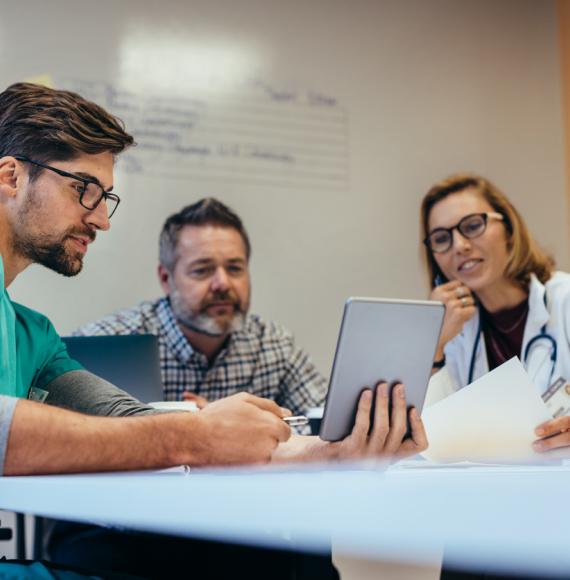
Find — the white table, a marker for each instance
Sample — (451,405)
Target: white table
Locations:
(505,518)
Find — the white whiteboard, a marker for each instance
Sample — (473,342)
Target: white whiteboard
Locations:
(325,120)
(249,132)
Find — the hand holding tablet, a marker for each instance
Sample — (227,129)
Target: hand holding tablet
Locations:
(381,426)
(384,343)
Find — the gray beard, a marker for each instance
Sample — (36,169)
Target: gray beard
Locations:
(202,323)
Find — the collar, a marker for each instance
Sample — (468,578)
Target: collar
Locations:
(538,314)
(538,310)
(176,342)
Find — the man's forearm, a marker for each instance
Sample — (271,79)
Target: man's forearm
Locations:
(45,440)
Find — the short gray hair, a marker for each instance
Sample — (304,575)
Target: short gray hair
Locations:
(207,211)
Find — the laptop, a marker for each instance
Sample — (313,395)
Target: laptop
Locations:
(130,362)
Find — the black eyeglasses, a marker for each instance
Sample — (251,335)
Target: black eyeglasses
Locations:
(91,193)
(471,226)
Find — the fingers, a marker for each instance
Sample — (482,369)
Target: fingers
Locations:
(419,436)
(554,442)
(462,291)
(200,401)
(464,309)
(381,426)
(398,425)
(386,437)
(272,425)
(553,426)
(362,423)
(459,310)
(459,297)
(265,404)
(450,290)
(418,442)
(459,307)
(463,302)
(451,285)
(283,431)
(554,433)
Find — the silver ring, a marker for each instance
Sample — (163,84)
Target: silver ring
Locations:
(464,302)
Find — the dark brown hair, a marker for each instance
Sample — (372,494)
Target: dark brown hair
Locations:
(53,125)
(207,211)
(525,257)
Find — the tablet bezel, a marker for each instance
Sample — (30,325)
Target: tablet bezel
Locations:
(339,415)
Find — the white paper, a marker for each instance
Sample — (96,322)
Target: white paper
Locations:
(492,419)
(174,405)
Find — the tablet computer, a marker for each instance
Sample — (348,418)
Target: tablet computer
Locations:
(391,340)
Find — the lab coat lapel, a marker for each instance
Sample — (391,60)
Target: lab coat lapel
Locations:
(537,363)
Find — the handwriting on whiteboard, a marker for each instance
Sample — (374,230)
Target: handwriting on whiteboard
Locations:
(258,135)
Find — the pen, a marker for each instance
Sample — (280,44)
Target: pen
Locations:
(297,421)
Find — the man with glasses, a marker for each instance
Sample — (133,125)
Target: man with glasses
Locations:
(91,192)
(56,174)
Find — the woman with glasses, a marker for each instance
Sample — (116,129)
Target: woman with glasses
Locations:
(501,296)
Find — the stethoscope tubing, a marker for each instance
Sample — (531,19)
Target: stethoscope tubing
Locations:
(542,336)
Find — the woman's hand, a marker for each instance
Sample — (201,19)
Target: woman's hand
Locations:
(459,308)
(553,434)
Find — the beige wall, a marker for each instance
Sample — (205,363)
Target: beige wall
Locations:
(563,13)
(428,87)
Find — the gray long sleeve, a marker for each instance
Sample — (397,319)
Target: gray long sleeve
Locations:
(7,407)
(87,393)
(79,391)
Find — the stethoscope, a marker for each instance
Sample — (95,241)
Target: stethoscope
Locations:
(543,335)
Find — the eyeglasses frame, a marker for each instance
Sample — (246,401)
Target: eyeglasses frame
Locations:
(486,215)
(104,194)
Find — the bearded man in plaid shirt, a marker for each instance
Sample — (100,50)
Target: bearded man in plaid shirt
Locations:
(210,347)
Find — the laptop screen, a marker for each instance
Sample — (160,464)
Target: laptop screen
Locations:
(130,362)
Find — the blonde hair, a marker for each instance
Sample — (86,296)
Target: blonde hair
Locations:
(525,257)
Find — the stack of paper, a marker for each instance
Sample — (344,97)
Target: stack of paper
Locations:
(491,420)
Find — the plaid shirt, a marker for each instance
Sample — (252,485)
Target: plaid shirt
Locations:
(261,359)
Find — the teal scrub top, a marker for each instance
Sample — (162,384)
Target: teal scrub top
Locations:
(32,353)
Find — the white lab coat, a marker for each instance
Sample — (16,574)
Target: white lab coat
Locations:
(556,316)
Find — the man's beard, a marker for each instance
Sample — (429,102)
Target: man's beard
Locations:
(203,323)
(45,249)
